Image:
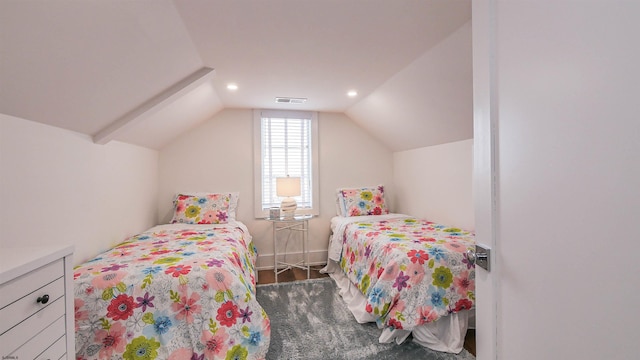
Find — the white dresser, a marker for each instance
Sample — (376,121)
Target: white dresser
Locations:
(36,303)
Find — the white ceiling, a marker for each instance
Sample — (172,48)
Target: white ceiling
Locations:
(83,65)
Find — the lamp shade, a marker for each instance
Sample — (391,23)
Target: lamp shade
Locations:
(288,186)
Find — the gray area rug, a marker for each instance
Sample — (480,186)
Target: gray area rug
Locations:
(309,320)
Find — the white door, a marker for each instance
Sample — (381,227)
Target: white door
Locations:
(557,178)
(483,174)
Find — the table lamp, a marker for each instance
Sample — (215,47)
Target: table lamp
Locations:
(288,187)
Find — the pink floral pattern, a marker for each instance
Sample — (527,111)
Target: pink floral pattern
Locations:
(410,271)
(112,340)
(362,201)
(202,209)
(187,306)
(178,293)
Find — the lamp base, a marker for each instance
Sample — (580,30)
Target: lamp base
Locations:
(288,208)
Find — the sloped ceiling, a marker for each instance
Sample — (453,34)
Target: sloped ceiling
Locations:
(87,65)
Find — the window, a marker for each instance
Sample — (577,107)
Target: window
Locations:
(285,143)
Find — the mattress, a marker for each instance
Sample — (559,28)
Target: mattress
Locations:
(406,274)
(175,291)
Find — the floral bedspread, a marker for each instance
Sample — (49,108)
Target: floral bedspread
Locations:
(173,292)
(410,271)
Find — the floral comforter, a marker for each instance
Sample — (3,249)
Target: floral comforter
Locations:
(410,271)
(173,292)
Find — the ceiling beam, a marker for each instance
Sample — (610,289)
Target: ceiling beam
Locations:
(153,105)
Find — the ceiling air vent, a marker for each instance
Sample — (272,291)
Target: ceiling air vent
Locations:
(289,100)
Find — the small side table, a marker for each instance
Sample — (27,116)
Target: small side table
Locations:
(299,224)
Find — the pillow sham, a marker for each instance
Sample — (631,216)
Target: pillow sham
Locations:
(362,201)
(205,208)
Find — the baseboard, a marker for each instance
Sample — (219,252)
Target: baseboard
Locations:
(316,258)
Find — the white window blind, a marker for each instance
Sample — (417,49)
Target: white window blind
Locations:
(286,144)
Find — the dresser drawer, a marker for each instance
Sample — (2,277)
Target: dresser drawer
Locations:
(51,318)
(39,344)
(36,303)
(30,282)
(55,351)
(23,308)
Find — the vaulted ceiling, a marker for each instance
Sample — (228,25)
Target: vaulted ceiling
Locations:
(145,71)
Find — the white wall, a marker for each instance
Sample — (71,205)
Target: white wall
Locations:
(217,156)
(407,111)
(435,183)
(568,198)
(56,186)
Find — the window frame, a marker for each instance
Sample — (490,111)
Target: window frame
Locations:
(257,157)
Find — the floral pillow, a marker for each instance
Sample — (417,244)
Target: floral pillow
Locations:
(362,201)
(204,208)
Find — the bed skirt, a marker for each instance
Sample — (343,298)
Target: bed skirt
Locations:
(446,334)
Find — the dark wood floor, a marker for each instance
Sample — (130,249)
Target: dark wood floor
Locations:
(268,277)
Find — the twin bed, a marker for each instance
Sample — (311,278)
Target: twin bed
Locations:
(186,290)
(410,276)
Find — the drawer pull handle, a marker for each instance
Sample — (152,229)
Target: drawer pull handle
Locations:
(43,299)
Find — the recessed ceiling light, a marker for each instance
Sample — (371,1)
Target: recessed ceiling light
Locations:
(232,87)
(352,93)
